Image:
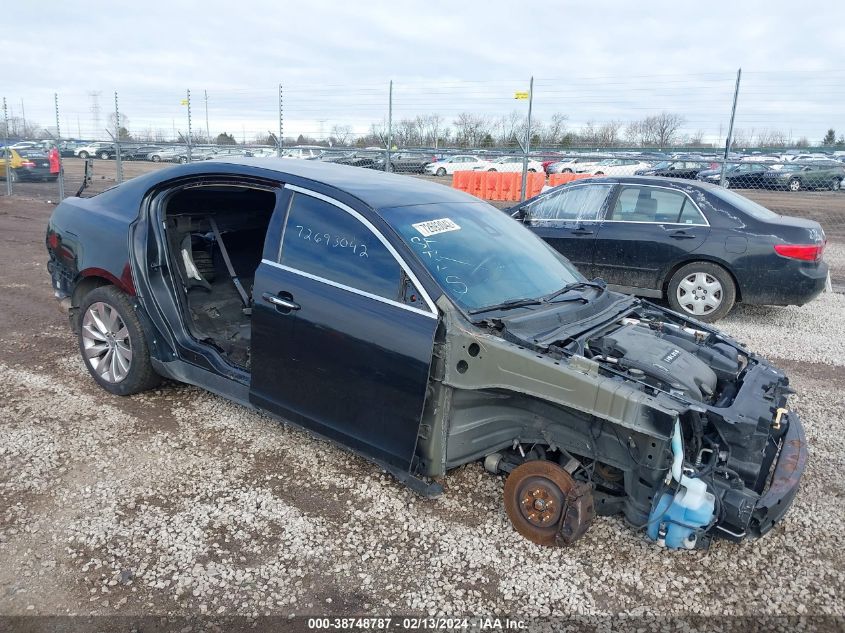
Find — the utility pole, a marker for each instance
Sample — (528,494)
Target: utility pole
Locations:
(281,125)
(207,130)
(61,176)
(527,146)
(730,127)
(8,171)
(23,118)
(117,158)
(189,124)
(389,125)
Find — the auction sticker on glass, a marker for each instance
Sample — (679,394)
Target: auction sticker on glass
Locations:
(435,227)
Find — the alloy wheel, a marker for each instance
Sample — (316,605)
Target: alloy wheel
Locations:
(794,185)
(700,293)
(106,343)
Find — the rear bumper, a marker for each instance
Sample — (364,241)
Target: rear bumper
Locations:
(797,284)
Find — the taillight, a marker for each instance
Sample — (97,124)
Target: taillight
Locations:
(804,252)
(27,163)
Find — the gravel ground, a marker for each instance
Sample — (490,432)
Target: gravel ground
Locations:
(179,502)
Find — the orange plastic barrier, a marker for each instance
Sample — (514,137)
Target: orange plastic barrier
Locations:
(562,179)
(502,186)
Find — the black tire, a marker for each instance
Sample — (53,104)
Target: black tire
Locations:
(727,292)
(83,154)
(15,177)
(491,170)
(440,172)
(836,184)
(794,185)
(140,375)
(156,158)
(532,170)
(599,173)
(104,155)
(183,159)
(726,183)
(566,171)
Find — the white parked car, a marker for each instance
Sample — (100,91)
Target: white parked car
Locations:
(509,163)
(450,165)
(615,167)
(306,152)
(571,165)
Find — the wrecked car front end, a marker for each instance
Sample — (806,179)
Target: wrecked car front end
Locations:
(663,419)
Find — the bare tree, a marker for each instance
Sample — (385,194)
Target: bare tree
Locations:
(659,130)
(340,134)
(471,128)
(555,129)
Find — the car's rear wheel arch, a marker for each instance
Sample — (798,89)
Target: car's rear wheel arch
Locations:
(83,288)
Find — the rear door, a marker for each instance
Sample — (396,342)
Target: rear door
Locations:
(342,330)
(647,228)
(568,219)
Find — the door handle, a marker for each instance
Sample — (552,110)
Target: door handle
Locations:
(681,235)
(280,302)
(581,231)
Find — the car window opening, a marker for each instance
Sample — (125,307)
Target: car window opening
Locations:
(216,236)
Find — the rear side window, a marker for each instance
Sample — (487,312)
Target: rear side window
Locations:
(650,204)
(323,240)
(582,203)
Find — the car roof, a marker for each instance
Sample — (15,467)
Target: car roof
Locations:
(376,189)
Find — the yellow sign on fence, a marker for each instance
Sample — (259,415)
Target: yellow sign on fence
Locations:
(520,95)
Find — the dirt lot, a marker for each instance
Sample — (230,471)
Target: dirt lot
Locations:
(178,502)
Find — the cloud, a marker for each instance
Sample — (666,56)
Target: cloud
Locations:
(592,61)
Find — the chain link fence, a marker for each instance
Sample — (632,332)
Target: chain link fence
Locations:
(744,132)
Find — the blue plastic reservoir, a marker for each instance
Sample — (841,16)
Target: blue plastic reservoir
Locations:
(680,522)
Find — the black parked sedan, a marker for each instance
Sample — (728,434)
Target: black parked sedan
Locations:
(697,245)
(676,169)
(424,329)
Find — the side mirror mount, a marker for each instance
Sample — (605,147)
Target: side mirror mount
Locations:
(520,214)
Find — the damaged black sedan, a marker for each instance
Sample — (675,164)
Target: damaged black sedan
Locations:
(424,330)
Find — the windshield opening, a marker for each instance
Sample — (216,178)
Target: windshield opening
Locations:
(478,255)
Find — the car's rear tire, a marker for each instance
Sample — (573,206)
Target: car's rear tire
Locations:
(794,185)
(836,184)
(566,171)
(112,343)
(183,159)
(726,183)
(84,154)
(156,158)
(441,172)
(491,170)
(702,290)
(599,173)
(14,177)
(104,155)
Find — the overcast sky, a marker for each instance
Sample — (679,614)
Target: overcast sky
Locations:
(593,61)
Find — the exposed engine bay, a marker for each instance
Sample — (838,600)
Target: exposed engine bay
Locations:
(215,238)
(708,448)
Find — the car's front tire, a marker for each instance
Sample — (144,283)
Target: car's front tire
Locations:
(441,172)
(836,184)
(83,155)
(702,290)
(183,159)
(794,185)
(112,343)
(104,155)
(156,158)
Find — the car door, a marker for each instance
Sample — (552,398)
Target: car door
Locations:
(342,331)
(567,218)
(646,229)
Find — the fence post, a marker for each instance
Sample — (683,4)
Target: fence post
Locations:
(189,124)
(207,129)
(730,128)
(527,146)
(117,158)
(61,177)
(389,126)
(279,140)
(8,171)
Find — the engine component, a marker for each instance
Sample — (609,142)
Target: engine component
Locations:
(546,505)
(672,365)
